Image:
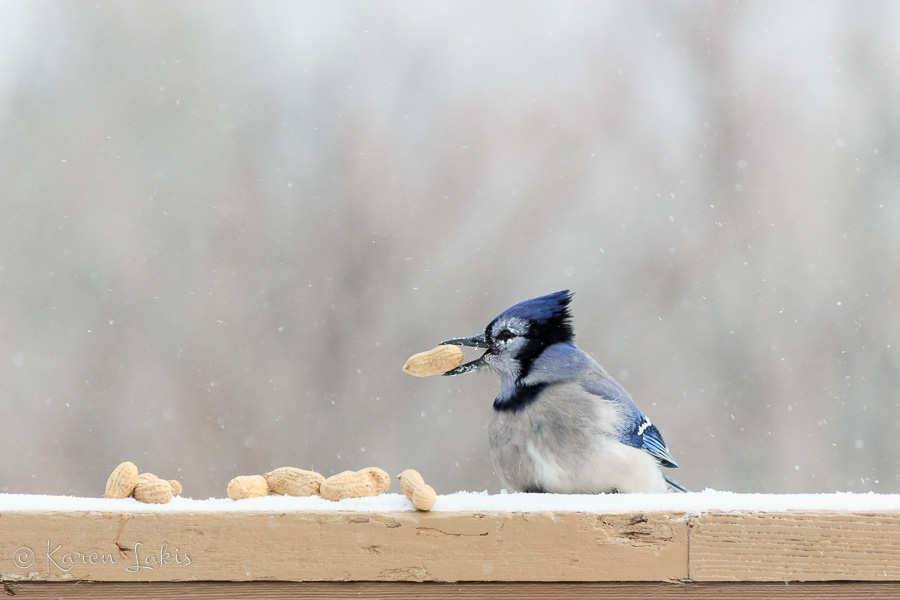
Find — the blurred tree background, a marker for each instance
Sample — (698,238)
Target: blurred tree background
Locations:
(224,226)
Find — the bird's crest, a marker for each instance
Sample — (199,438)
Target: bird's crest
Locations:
(548,315)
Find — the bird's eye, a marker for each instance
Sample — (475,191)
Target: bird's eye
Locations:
(504,335)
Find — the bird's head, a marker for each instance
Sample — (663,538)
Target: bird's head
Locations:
(518,335)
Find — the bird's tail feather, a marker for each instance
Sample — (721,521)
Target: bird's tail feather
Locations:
(674,486)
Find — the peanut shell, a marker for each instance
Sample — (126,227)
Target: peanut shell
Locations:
(153,491)
(423,498)
(176,487)
(122,480)
(378,478)
(370,481)
(434,362)
(247,486)
(294,482)
(416,490)
(143,477)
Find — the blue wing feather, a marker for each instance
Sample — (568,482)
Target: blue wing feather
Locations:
(638,431)
(643,434)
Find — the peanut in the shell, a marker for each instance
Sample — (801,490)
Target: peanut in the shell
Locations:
(247,486)
(370,481)
(416,490)
(291,481)
(146,477)
(153,490)
(434,362)
(122,481)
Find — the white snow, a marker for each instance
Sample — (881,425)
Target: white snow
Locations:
(691,503)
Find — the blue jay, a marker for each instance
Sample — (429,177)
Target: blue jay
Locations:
(561,423)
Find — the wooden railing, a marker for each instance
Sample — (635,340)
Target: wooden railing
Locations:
(116,554)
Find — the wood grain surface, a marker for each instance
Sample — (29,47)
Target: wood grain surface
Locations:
(449,547)
(795,546)
(337,546)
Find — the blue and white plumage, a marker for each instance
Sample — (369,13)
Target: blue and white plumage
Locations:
(560,423)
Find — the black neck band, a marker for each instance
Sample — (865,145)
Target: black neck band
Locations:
(520,398)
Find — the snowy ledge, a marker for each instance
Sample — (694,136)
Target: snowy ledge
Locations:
(708,537)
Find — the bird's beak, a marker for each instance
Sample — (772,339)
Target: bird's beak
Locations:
(476,341)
